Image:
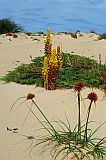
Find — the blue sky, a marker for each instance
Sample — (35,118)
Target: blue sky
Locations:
(60,15)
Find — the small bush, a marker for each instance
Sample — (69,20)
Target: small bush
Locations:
(74,35)
(7,25)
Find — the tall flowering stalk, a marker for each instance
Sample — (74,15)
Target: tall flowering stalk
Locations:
(52,63)
(51,126)
(45,72)
(31,96)
(93,98)
(47,52)
(54,69)
(48,44)
(78,87)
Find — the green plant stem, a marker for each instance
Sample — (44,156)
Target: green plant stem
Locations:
(44,116)
(79,115)
(89,109)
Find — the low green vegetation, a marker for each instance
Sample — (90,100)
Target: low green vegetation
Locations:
(75,68)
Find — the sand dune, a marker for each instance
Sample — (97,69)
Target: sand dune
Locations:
(14,146)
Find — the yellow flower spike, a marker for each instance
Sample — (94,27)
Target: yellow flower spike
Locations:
(52,63)
(53,66)
(45,72)
(53,58)
(48,44)
(47,52)
(46,65)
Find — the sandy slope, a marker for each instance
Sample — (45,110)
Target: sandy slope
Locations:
(14,146)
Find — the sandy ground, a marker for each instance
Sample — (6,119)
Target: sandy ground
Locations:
(13,52)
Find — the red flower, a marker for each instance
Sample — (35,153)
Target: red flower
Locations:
(30,96)
(92,96)
(78,86)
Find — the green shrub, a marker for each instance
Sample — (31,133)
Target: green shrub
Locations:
(7,25)
(75,68)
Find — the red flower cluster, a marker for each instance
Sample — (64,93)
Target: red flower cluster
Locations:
(30,96)
(92,96)
(78,86)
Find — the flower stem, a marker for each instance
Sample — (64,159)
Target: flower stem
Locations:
(79,115)
(86,127)
(44,116)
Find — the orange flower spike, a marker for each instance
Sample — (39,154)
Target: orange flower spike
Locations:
(92,96)
(30,96)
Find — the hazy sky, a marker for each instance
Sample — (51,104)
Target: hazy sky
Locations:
(60,15)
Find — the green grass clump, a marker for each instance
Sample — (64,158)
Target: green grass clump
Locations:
(75,68)
(26,74)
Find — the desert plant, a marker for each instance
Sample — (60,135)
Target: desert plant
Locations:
(7,25)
